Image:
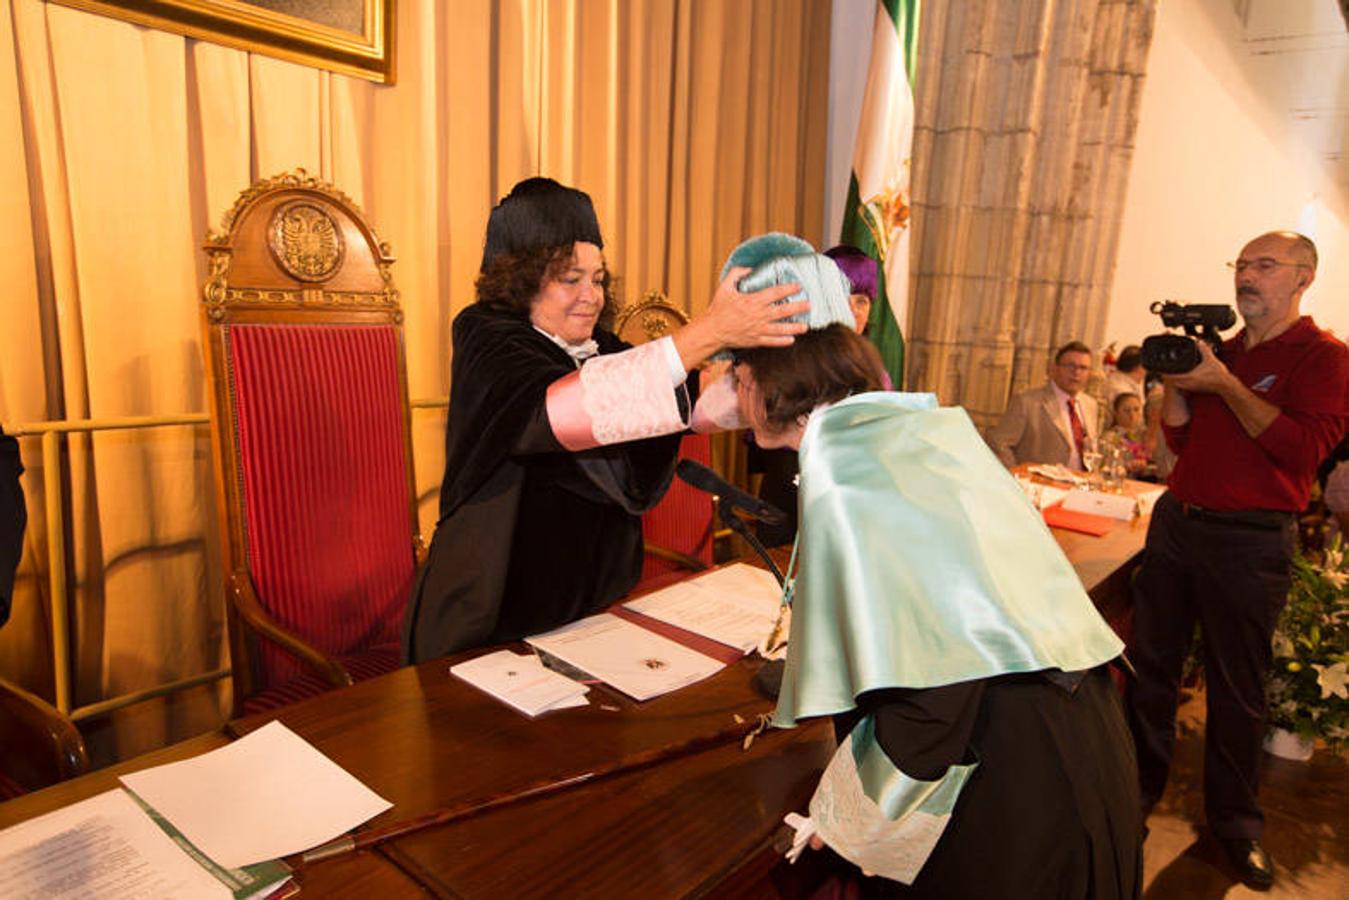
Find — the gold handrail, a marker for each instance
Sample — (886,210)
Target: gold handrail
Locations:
(50,432)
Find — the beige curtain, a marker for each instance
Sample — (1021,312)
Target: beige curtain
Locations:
(693,124)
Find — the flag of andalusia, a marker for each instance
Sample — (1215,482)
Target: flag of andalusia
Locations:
(876,218)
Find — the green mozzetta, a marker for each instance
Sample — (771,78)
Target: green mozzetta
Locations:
(922,563)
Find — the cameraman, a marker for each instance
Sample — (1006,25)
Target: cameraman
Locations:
(1250,426)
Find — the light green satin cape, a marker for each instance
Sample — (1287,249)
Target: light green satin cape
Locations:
(922,563)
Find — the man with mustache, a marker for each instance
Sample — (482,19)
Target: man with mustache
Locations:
(1250,424)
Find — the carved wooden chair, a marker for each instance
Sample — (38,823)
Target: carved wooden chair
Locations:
(652,317)
(677,532)
(311,440)
(40,746)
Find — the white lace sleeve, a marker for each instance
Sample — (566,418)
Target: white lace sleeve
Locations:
(894,841)
(628,395)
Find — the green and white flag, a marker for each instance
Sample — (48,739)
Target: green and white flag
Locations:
(876,218)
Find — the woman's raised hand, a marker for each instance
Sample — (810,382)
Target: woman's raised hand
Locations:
(734,319)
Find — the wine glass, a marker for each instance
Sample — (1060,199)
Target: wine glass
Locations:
(1091,461)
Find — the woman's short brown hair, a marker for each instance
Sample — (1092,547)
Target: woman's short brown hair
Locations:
(822,366)
(511,281)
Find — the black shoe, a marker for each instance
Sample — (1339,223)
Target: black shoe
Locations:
(1251,861)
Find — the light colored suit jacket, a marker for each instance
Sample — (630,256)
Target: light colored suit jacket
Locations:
(1035,430)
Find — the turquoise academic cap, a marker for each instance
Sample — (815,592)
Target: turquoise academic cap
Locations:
(777,258)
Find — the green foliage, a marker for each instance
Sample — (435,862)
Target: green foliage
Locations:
(1307,688)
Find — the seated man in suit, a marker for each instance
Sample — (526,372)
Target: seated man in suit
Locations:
(1055,423)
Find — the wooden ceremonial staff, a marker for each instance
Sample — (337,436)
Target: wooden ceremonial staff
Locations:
(366,839)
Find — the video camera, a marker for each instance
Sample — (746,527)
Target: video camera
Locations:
(1175,354)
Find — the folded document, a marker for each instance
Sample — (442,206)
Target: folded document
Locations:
(520,681)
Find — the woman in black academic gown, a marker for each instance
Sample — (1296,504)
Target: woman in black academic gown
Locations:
(548,462)
(983,752)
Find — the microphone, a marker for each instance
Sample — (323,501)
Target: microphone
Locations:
(704,479)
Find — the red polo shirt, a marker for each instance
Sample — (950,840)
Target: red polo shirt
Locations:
(1305,373)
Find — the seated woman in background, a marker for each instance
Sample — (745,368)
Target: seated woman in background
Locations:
(1131,437)
(559,434)
(983,751)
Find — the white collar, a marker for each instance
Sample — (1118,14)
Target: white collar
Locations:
(1063,395)
(579,352)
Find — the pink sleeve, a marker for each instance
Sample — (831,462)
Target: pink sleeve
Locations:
(615,398)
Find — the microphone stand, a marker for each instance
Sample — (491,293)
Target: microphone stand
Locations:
(769,677)
(726,510)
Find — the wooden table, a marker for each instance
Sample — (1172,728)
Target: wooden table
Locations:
(1106,563)
(673,805)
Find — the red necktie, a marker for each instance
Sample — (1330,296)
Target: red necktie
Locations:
(1075,423)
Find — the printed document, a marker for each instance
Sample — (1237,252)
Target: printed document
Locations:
(735,605)
(107,847)
(637,662)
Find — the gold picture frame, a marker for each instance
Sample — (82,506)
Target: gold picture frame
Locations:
(354,37)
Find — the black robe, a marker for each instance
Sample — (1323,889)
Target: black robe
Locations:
(531,536)
(13,518)
(1051,811)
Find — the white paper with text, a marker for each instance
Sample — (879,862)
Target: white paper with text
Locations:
(735,605)
(104,847)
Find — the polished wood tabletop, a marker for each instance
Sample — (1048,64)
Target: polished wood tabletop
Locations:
(615,798)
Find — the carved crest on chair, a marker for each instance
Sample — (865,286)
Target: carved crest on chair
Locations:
(650,318)
(320,252)
(305,241)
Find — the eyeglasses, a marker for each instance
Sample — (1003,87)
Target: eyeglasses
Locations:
(1264,265)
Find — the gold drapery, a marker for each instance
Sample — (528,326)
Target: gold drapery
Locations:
(692,124)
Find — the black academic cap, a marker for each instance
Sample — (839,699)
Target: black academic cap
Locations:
(539,212)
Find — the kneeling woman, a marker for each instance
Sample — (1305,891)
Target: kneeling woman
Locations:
(982,752)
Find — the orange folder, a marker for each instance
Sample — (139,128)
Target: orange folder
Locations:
(1087,523)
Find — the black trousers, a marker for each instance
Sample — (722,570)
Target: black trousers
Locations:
(1231,578)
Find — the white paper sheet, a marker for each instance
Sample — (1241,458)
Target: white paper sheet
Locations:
(1114,506)
(104,847)
(1057,472)
(1042,495)
(736,605)
(267,795)
(637,662)
(520,680)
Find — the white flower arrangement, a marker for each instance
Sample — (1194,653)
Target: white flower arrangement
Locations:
(1308,687)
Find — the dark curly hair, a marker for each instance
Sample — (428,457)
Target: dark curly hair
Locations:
(512,280)
(820,367)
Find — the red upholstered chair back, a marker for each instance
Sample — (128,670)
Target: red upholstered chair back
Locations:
(682,521)
(304,345)
(324,478)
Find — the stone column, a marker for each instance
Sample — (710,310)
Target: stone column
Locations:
(1026,114)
